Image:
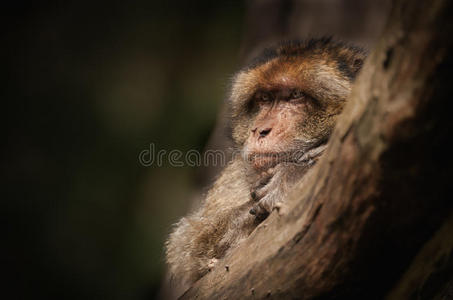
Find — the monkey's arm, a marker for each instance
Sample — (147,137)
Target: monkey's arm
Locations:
(207,234)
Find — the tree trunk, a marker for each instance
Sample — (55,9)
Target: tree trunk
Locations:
(374,217)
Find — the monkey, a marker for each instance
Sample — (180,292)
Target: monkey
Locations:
(282,109)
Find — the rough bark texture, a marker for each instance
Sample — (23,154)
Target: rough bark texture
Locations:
(373,218)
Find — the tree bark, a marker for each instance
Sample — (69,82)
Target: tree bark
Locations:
(373,218)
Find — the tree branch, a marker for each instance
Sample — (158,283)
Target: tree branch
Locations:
(360,216)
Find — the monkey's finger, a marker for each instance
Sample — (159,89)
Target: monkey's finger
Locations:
(264,207)
(260,189)
(259,212)
(263,181)
(253,195)
(270,171)
(257,194)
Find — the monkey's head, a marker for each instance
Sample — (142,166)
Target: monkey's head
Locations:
(286,102)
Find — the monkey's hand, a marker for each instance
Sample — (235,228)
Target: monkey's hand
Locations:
(270,190)
(274,184)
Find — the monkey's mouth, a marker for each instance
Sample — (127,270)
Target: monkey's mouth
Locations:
(265,160)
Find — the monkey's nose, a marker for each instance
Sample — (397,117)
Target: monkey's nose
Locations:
(265,132)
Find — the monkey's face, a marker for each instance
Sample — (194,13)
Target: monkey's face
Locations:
(285,107)
(276,131)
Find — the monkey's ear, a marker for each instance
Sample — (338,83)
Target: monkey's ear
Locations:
(350,66)
(357,64)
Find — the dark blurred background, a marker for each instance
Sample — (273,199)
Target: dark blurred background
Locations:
(87,87)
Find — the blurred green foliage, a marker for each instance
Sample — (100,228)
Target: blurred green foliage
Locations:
(89,86)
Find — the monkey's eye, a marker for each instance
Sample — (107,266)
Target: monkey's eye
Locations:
(264,97)
(296,94)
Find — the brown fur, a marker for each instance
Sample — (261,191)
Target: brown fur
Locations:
(244,194)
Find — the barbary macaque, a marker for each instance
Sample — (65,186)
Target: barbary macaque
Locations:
(283,109)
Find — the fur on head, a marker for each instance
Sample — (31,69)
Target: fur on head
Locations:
(322,69)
